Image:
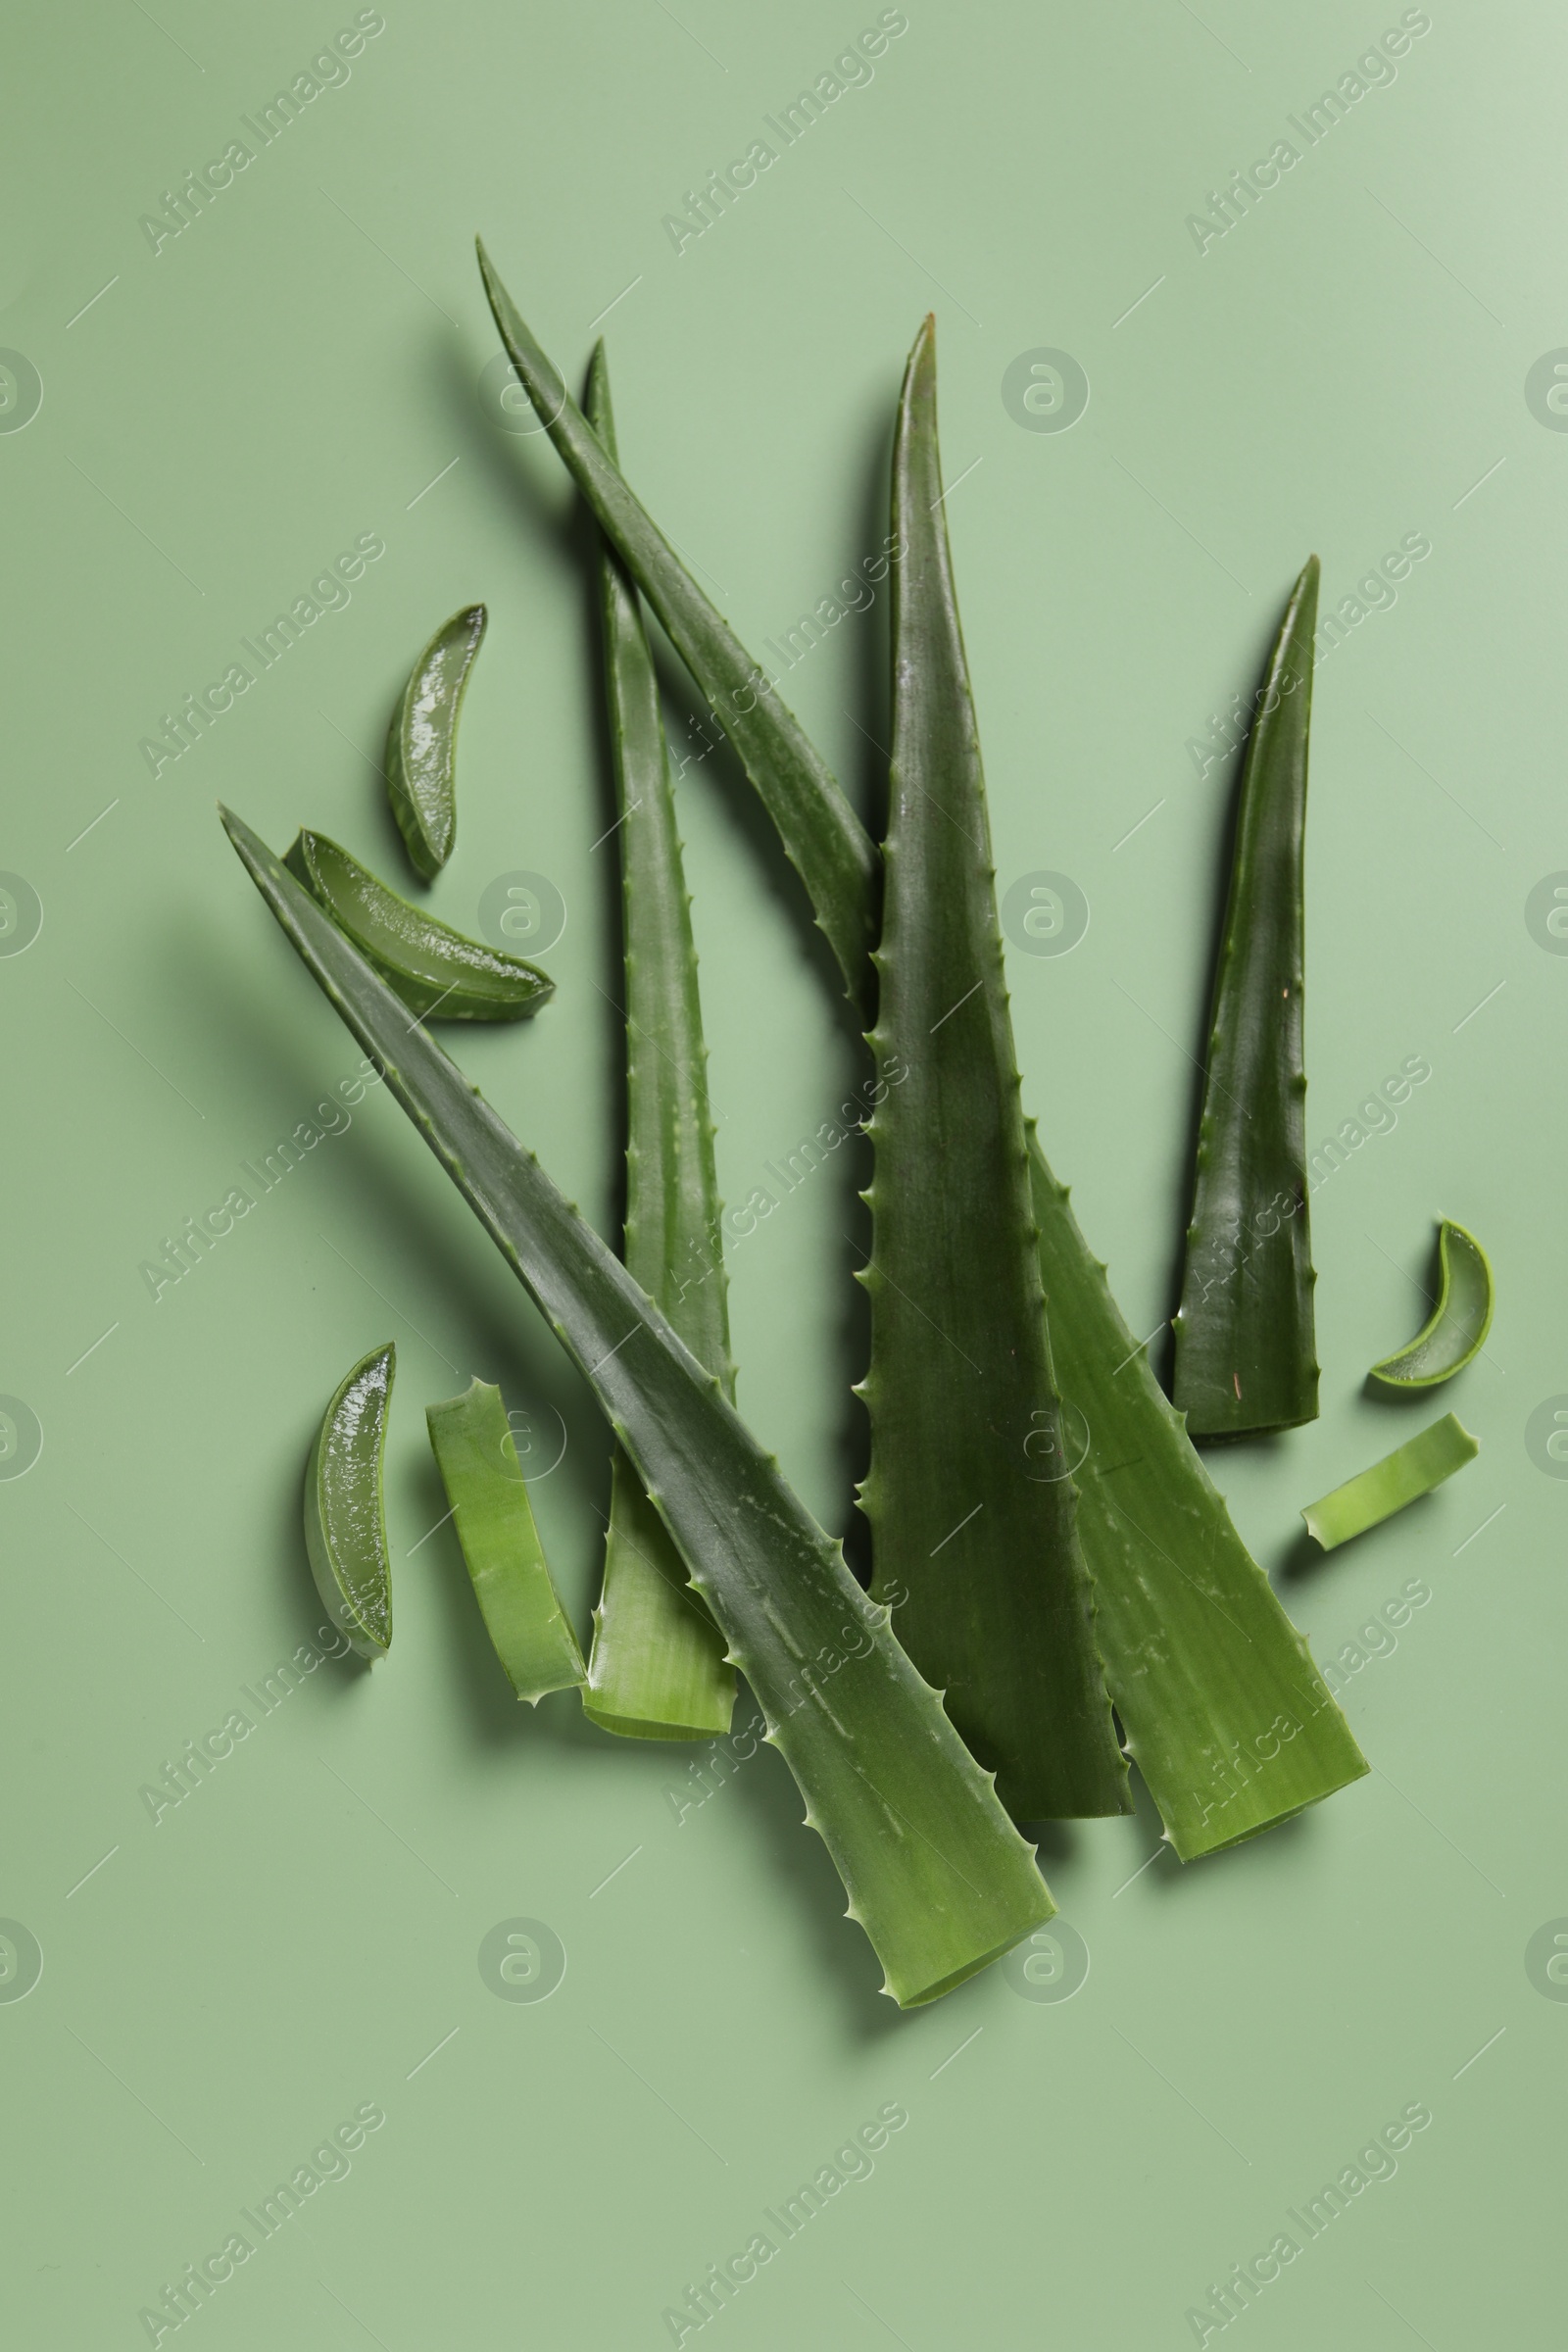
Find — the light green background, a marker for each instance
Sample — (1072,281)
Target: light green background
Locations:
(1338,370)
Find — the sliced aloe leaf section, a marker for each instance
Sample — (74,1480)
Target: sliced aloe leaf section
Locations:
(971,1513)
(823,837)
(1225,1714)
(1404,1475)
(345,1528)
(438,972)
(936,1873)
(657,1670)
(1459,1322)
(475,1451)
(421,746)
(1246,1356)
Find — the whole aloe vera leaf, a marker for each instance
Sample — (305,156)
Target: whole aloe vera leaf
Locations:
(971,1507)
(1245,1358)
(823,837)
(1225,1714)
(423,741)
(1404,1475)
(936,1873)
(656,1668)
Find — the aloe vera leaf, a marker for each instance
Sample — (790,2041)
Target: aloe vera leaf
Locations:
(1456,1330)
(423,741)
(345,1528)
(971,1514)
(936,1873)
(439,973)
(1245,1358)
(823,837)
(477,1459)
(1410,1471)
(657,1667)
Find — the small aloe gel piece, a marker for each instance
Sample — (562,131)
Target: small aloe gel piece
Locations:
(421,746)
(1456,1331)
(1404,1475)
(475,1451)
(345,1528)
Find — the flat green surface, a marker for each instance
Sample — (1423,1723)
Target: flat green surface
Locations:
(1345,367)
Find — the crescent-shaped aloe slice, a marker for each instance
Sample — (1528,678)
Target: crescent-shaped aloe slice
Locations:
(473,1444)
(1404,1475)
(438,972)
(971,1515)
(656,1668)
(345,1528)
(422,742)
(1245,1358)
(936,1873)
(821,834)
(1459,1322)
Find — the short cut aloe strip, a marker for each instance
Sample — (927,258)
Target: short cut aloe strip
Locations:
(936,1874)
(477,1459)
(422,742)
(656,1668)
(345,1527)
(439,973)
(823,837)
(1456,1330)
(1404,1475)
(970,1506)
(1245,1355)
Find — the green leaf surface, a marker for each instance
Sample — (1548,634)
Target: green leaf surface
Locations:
(345,1526)
(821,834)
(969,1501)
(477,1459)
(936,1873)
(1404,1475)
(1245,1358)
(1456,1331)
(656,1668)
(422,742)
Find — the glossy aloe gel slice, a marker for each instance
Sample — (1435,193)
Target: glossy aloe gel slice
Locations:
(437,972)
(1460,1320)
(423,743)
(971,1512)
(822,836)
(1404,1475)
(936,1873)
(345,1530)
(657,1670)
(1245,1358)
(477,1457)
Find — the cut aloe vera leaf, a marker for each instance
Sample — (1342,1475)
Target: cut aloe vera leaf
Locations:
(935,1870)
(823,837)
(473,1444)
(1225,1714)
(345,1527)
(1404,1475)
(439,975)
(1246,1357)
(656,1668)
(971,1511)
(422,742)
(1459,1322)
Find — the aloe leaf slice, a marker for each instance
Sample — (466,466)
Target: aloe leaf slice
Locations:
(936,1873)
(423,741)
(656,1668)
(823,837)
(439,973)
(1410,1471)
(971,1507)
(345,1528)
(1456,1331)
(477,1459)
(1245,1358)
